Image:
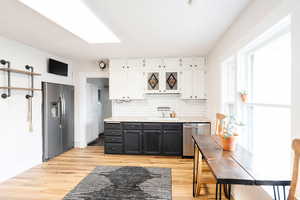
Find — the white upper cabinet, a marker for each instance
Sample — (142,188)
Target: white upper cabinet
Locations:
(193,62)
(162,75)
(187,86)
(135,79)
(172,64)
(193,78)
(131,79)
(153,63)
(126,79)
(199,88)
(117,77)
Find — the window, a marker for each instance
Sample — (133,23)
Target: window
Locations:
(268,83)
(263,71)
(229,86)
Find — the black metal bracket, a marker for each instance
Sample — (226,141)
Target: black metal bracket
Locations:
(32,81)
(4,95)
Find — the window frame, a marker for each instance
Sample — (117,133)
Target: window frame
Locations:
(245,68)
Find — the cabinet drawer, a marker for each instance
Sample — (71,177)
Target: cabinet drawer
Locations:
(132,126)
(152,126)
(113,132)
(112,139)
(174,126)
(113,148)
(112,126)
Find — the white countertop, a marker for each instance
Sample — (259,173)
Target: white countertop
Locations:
(196,119)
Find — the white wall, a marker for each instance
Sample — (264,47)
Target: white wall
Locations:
(148,107)
(20,149)
(256,19)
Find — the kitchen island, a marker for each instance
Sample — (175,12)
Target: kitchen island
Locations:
(146,135)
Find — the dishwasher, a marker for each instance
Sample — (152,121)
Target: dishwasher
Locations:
(188,130)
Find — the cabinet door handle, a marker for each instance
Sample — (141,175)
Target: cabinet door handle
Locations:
(159,66)
(127,67)
(196,97)
(191,65)
(196,65)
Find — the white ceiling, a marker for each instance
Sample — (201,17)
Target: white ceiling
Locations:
(145,27)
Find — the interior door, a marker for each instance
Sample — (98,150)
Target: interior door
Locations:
(67,95)
(92,113)
(52,134)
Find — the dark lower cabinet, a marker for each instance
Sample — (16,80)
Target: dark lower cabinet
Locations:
(172,142)
(133,141)
(113,148)
(143,138)
(152,142)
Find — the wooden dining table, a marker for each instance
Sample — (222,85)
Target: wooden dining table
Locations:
(239,167)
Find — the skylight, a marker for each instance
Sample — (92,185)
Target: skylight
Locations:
(76,17)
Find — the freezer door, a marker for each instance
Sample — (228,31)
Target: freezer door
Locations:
(52,135)
(67,117)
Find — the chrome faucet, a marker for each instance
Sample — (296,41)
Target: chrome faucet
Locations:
(163,111)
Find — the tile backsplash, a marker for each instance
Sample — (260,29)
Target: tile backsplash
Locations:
(148,106)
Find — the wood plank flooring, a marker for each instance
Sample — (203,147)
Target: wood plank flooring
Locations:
(52,180)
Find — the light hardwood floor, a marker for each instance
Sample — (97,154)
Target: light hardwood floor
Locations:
(52,180)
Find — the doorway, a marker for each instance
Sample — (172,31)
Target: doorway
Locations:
(98,108)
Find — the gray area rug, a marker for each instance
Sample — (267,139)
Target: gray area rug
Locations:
(133,183)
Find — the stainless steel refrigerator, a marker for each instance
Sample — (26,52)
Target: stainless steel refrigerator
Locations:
(58,119)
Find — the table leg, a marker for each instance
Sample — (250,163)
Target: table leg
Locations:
(278,192)
(220,192)
(217,187)
(194,166)
(274,190)
(284,196)
(229,191)
(199,171)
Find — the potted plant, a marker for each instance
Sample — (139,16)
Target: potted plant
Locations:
(244,96)
(230,133)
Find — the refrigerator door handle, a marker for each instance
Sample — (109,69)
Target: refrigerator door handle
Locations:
(63,106)
(60,111)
